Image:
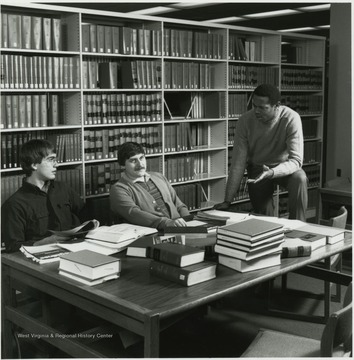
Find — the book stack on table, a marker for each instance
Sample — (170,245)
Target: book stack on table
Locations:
(180,263)
(249,245)
(89,268)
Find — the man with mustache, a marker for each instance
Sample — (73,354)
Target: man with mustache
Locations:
(269,144)
(142,198)
(41,204)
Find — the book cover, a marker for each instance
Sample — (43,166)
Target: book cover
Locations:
(252,249)
(89,264)
(142,246)
(44,253)
(86,281)
(290,250)
(251,229)
(332,234)
(250,244)
(246,266)
(303,238)
(177,254)
(187,276)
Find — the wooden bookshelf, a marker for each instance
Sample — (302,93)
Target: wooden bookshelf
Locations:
(89,80)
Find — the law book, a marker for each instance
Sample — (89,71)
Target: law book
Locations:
(143,246)
(303,238)
(108,75)
(4,30)
(177,254)
(251,229)
(56,34)
(36,33)
(249,249)
(252,265)
(100,38)
(89,264)
(115,39)
(297,249)
(26,31)
(44,253)
(47,33)
(14,31)
(332,234)
(85,37)
(243,255)
(188,275)
(88,282)
(108,39)
(93,38)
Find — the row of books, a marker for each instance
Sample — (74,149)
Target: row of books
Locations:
(231,130)
(105,143)
(303,104)
(121,108)
(11,183)
(192,195)
(312,152)
(120,40)
(250,244)
(244,49)
(39,72)
(249,77)
(237,105)
(178,137)
(28,111)
(187,43)
(100,178)
(301,79)
(134,74)
(186,167)
(189,75)
(292,53)
(31,32)
(313,173)
(68,146)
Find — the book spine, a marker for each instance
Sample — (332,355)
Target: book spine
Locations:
(164,256)
(168,272)
(296,251)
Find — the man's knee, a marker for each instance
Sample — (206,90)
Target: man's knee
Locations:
(299,178)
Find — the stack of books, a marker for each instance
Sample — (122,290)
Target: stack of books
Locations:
(89,268)
(182,264)
(250,244)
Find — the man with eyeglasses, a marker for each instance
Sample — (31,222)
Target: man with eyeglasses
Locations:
(269,144)
(41,204)
(142,198)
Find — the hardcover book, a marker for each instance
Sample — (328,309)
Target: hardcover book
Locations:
(188,275)
(89,264)
(245,266)
(296,237)
(332,234)
(142,246)
(251,229)
(86,281)
(177,254)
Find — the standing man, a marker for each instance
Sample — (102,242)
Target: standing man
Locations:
(269,144)
(41,204)
(142,198)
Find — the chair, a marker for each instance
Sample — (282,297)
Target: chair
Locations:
(335,341)
(334,263)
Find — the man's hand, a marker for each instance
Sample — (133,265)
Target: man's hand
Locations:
(53,239)
(222,206)
(266,174)
(179,222)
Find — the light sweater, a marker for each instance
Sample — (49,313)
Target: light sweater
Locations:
(132,202)
(278,144)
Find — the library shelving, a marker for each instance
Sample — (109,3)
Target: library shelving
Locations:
(91,80)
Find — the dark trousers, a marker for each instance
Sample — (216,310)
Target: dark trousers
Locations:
(261,194)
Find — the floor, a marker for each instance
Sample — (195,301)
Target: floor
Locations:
(225,331)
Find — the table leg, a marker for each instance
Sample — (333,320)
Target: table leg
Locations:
(152,336)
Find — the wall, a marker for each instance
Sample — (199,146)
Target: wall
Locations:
(339,129)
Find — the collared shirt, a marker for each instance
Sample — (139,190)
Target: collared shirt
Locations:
(29,213)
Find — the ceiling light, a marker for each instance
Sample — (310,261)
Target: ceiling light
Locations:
(315,7)
(324,26)
(272,13)
(298,29)
(190,5)
(227,19)
(153,11)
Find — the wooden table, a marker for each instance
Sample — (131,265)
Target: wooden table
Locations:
(136,301)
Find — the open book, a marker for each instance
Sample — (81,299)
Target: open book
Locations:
(80,230)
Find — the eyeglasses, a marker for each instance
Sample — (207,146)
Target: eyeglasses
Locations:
(51,160)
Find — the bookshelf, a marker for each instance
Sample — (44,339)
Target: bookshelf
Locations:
(91,80)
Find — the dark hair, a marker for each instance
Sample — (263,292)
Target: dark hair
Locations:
(33,152)
(270,91)
(127,150)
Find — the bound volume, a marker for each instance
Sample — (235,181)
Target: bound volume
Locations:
(188,275)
